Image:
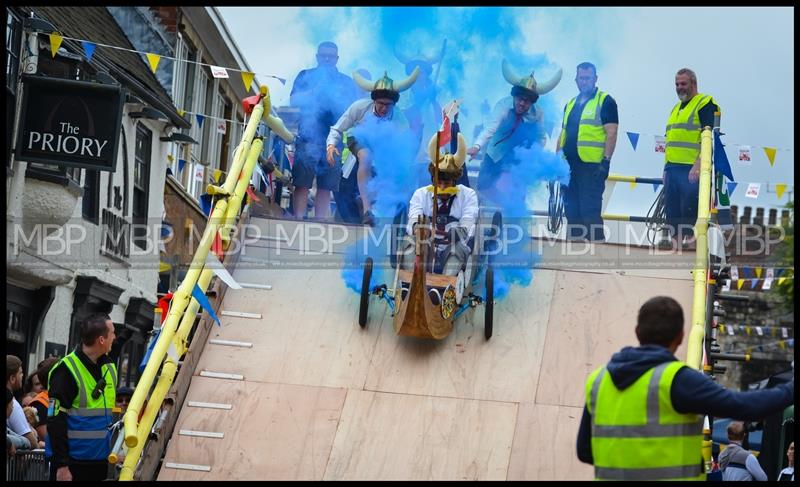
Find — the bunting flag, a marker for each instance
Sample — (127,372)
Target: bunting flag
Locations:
(744,155)
(153,59)
(247,79)
(217,175)
(724,217)
(181,112)
(779,189)
(740,283)
(633,184)
(655,187)
(88,49)
(634,138)
(445,132)
(205,203)
(770,152)
(170,158)
(216,246)
(215,265)
(200,119)
(55,42)
(732,187)
(202,300)
(721,163)
(252,194)
(753,190)
(163,305)
(181,163)
(661,144)
(219,72)
(758,272)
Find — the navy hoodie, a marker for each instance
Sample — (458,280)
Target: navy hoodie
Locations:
(692,392)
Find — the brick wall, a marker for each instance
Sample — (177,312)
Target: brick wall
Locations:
(168,17)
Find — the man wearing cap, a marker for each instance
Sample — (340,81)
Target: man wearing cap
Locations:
(588,138)
(456,211)
(516,122)
(384,94)
(321,94)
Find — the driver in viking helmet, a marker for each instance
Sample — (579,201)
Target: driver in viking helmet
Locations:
(456,211)
(384,94)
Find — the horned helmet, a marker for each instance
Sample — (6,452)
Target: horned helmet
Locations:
(386,87)
(424,62)
(451,166)
(528,86)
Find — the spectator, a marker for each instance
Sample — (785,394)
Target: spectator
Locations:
(347,197)
(321,94)
(787,474)
(124,395)
(13,440)
(737,463)
(33,419)
(82,391)
(668,444)
(16,421)
(42,400)
(30,389)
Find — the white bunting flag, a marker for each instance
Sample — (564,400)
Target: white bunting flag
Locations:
(661,144)
(730,329)
(770,273)
(760,331)
(213,263)
(222,127)
(753,190)
(198,173)
(784,332)
(727,285)
(734,273)
(744,155)
(767,284)
(219,72)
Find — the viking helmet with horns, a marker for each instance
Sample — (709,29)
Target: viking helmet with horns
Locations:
(528,86)
(451,166)
(386,87)
(424,62)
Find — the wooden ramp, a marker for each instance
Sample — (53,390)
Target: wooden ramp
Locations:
(321,398)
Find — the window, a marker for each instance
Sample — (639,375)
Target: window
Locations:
(13,42)
(91,196)
(141,184)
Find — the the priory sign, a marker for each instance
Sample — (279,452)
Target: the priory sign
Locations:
(70,123)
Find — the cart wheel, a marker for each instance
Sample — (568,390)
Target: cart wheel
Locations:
(489,303)
(365,291)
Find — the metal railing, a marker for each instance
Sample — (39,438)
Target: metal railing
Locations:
(27,465)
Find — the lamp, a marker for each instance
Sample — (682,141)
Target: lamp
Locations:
(178,137)
(149,112)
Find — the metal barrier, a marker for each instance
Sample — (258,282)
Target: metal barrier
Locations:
(27,465)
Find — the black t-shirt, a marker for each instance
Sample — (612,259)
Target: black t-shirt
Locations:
(608,114)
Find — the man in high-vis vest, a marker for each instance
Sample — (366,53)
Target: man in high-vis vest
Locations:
(82,389)
(682,156)
(588,138)
(642,418)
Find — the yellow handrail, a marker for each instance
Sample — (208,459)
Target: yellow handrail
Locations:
(171,343)
(694,355)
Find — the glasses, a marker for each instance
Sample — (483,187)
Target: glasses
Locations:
(101,384)
(384,105)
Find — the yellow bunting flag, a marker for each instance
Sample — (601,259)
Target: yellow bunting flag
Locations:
(171,158)
(749,350)
(747,329)
(782,344)
(153,59)
(722,328)
(217,174)
(770,151)
(55,42)
(181,112)
(247,79)
(780,280)
(739,283)
(779,189)
(633,184)
(758,272)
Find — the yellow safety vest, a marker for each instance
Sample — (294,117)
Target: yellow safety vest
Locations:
(637,434)
(591,135)
(683,130)
(346,149)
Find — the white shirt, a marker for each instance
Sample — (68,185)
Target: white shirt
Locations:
(501,111)
(464,208)
(355,114)
(17,421)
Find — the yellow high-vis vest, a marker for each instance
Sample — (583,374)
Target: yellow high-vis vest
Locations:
(591,135)
(637,434)
(683,131)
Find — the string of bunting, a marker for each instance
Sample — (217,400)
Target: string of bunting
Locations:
(749,330)
(753,276)
(153,59)
(782,344)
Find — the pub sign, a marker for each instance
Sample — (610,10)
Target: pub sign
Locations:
(70,123)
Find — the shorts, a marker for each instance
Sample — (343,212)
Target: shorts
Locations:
(307,167)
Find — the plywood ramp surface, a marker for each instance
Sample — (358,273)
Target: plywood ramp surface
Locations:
(324,399)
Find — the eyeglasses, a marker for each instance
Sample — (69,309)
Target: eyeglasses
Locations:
(101,384)
(384,105)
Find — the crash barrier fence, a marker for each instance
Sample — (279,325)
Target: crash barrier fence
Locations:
(27,465)
(172,342)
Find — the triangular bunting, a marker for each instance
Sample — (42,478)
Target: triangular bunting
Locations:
(758,272)
(634,138)
(655,187)
(247,79)
(170,158)
(779,189)
(202,300)
(770,151)
(55,43)
(740,283)
(200,119)
(216,246)
(153,59)
(252,194)
(181,112)
(721,163)
(633,184)
(731,187)
(781,280)
(217,174)
(181,163)
(88,49)
(216,266)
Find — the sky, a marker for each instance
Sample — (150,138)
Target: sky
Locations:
(743,57)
